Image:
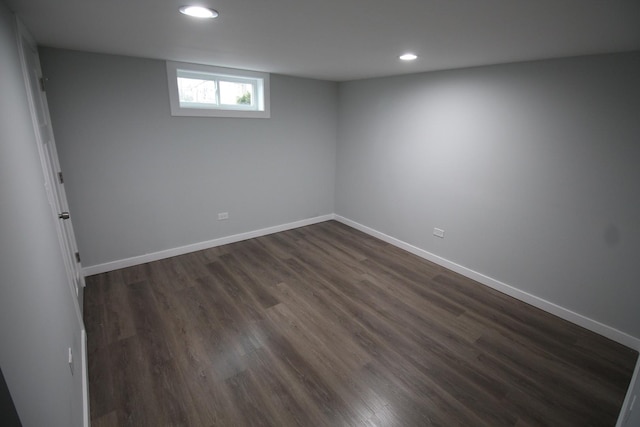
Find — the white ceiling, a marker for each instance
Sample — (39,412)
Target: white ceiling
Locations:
(338,39)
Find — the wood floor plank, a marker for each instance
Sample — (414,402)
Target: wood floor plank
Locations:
(148,322)
(133,402)
(377,332)
(289,408)
(561,344)
(107,420)
(327,326)
(329,333)
(135,273)
(415,402)
(532,398)
(322,359)
(118,317)
(193,265)
(586,396)
(415,285)
(439,363)
(101,398)
(197,363)
(253,285)
(95,315)
(262,264)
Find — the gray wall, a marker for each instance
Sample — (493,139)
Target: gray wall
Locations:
(531,169)
(140,181)
(37,317)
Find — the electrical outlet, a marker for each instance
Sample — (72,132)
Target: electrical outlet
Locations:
(223,216)
(438,232)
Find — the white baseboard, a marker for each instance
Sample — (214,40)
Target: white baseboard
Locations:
(86,410)
(566,314)
(155,256)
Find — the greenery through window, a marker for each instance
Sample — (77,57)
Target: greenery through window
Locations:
(201,90)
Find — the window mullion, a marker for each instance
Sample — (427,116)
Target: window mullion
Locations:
(217,92)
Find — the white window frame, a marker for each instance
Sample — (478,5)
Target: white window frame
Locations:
(260,81)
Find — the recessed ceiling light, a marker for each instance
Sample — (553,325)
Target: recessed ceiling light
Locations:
(408,56)
(198,11)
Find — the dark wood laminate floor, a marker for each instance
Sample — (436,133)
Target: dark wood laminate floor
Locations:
(326,326)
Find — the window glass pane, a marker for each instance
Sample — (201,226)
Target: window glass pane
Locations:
(197,91)
(206,91)
(234,93)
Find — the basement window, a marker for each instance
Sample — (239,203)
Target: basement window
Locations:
(206,91)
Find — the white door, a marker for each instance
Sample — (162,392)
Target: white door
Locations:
(54,184)
(54,178)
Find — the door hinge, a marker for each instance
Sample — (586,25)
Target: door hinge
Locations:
(60,178)
(43,84)
(77,256)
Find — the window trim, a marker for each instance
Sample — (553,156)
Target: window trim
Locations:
(220,110)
